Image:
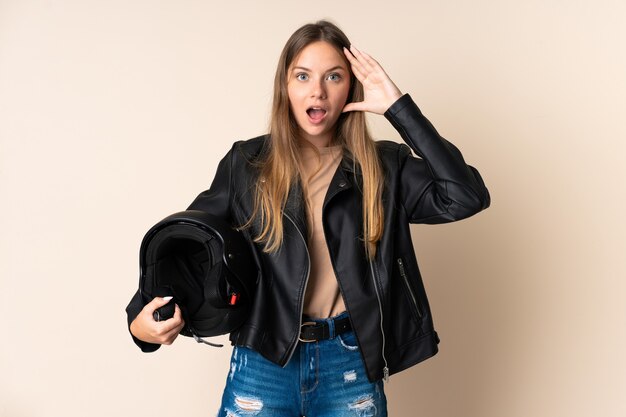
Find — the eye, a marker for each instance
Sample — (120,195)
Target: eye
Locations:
(334,77)
(302,76)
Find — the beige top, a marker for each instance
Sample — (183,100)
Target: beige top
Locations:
(322,298)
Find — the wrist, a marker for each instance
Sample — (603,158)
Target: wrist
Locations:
(393,99)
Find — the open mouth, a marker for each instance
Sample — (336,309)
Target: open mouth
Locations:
(316,114)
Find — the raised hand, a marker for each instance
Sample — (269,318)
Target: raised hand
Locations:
(380,91)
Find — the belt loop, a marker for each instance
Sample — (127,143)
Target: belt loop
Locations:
(331,328)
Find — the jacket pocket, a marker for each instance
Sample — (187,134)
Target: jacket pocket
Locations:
(410,293)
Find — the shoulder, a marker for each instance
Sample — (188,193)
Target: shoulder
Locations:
(252,146)
(391,152)
(248,150)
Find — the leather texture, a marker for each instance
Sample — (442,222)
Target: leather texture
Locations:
(385,298)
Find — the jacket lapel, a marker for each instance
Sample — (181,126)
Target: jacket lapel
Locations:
(295,208)
(343,179)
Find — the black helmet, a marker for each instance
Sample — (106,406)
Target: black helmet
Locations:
(206,266)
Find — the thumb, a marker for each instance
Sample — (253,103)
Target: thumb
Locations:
(358,106)
(158,302)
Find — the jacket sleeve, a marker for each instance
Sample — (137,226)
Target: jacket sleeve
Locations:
(132,310)
(439,186)
(215,200)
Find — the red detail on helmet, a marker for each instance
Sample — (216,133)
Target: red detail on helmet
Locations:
(234,297)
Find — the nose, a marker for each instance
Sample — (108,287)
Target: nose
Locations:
(318,89)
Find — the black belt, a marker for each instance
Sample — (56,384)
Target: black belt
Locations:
(311,331)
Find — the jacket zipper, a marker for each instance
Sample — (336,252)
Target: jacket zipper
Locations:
(306,281)
(382,331)
(408,287)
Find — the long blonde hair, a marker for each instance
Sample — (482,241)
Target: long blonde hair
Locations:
(279,171)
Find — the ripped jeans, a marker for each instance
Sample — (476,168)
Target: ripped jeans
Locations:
(323,379)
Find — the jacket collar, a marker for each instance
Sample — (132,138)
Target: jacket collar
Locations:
(343,179)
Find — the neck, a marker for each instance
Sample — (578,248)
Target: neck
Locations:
(318,142)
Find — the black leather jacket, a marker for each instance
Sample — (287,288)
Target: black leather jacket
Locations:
(385,297)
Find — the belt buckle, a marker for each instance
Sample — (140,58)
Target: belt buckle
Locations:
(302,325)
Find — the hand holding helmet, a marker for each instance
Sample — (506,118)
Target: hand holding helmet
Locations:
(145,327)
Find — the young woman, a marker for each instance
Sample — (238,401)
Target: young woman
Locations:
(340,304)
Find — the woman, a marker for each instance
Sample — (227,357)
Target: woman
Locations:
(340,304)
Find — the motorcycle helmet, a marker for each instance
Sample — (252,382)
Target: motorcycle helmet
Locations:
(205,265)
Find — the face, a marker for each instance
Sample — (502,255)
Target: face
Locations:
(318,83)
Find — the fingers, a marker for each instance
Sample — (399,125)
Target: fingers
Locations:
(362,64)
(167,331)
(364,59)
(157,302)
(357,67)
(354,63)
(358,73)
(176,322)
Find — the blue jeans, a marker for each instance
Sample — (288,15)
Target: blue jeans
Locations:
(323,379)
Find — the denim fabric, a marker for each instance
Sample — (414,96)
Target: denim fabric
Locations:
(322,379)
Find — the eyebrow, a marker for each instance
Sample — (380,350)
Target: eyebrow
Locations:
(331,69)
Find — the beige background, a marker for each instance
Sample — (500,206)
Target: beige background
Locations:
(114,114)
